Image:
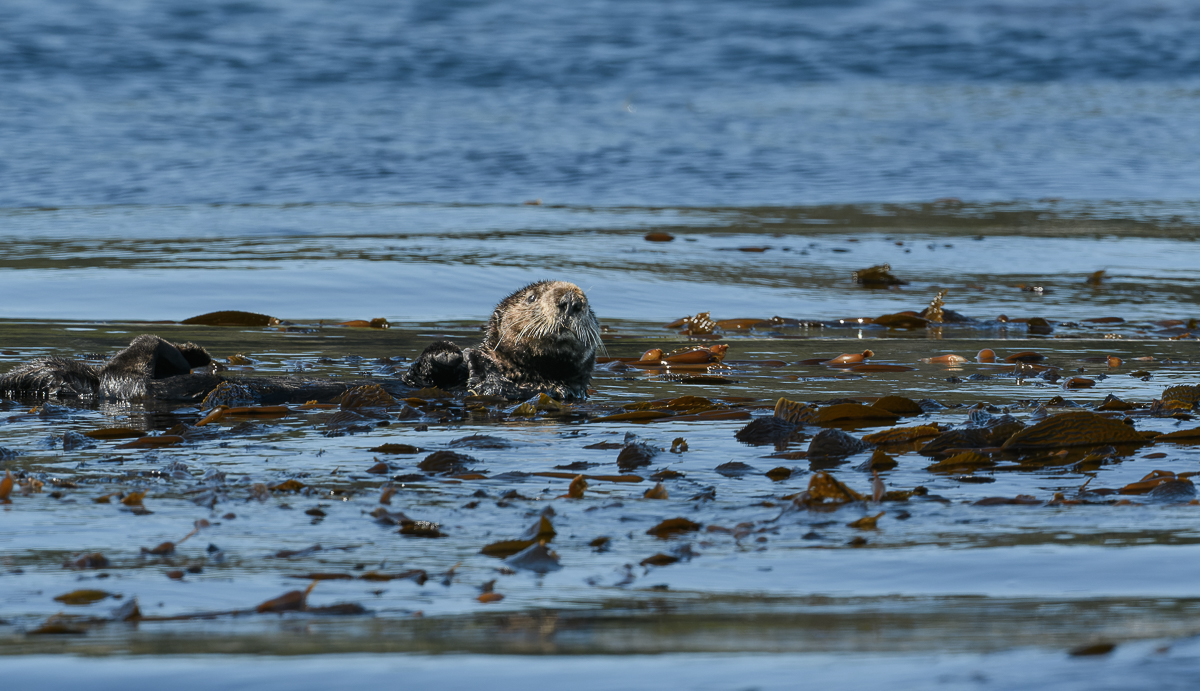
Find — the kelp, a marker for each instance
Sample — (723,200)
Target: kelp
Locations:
(902,435)
(824,486)
(1073,429)
(231,318)
(879,276)
(854,413)
(965,461)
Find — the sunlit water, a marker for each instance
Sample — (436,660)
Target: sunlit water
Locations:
(432,263)
(1144,665)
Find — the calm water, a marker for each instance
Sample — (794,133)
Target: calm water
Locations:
(433,263)
(323,161)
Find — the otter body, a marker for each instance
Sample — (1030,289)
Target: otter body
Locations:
(154,369)
(149,368)
(151,365)
(541,339)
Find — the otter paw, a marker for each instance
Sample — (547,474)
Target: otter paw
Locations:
(441,365)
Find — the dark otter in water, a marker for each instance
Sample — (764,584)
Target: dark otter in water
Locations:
(155,369)
(149,367)
(542,338)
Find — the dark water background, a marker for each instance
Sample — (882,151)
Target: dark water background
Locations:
(667,103)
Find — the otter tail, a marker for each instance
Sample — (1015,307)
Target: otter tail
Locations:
(51,376)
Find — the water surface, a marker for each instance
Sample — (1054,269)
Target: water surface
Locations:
(320,162)
(683,103)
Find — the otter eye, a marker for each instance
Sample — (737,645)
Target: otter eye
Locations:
(532,298)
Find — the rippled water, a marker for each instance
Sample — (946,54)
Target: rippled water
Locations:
(320,162)
(686,103)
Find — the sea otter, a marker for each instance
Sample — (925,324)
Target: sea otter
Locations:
(152,368)
(149,368)
(541,339)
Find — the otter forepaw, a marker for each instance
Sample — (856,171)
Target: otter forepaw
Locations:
(440,365)
(195,355)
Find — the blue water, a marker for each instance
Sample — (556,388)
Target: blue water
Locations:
(314,159)
(1142,667)
(668,103)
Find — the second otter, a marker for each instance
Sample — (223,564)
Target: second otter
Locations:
(153,369)
(149,368)
(541,339)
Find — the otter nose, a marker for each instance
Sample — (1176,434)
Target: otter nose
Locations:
(569,304)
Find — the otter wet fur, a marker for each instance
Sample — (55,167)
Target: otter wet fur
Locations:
(153,369)
(138,371)
(541,339)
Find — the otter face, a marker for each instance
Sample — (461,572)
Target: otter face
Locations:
(544,319)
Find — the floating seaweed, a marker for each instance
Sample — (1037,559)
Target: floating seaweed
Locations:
(879,276)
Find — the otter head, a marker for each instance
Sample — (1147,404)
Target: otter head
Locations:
(544,322)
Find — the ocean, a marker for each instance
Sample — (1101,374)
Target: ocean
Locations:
(321,162)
